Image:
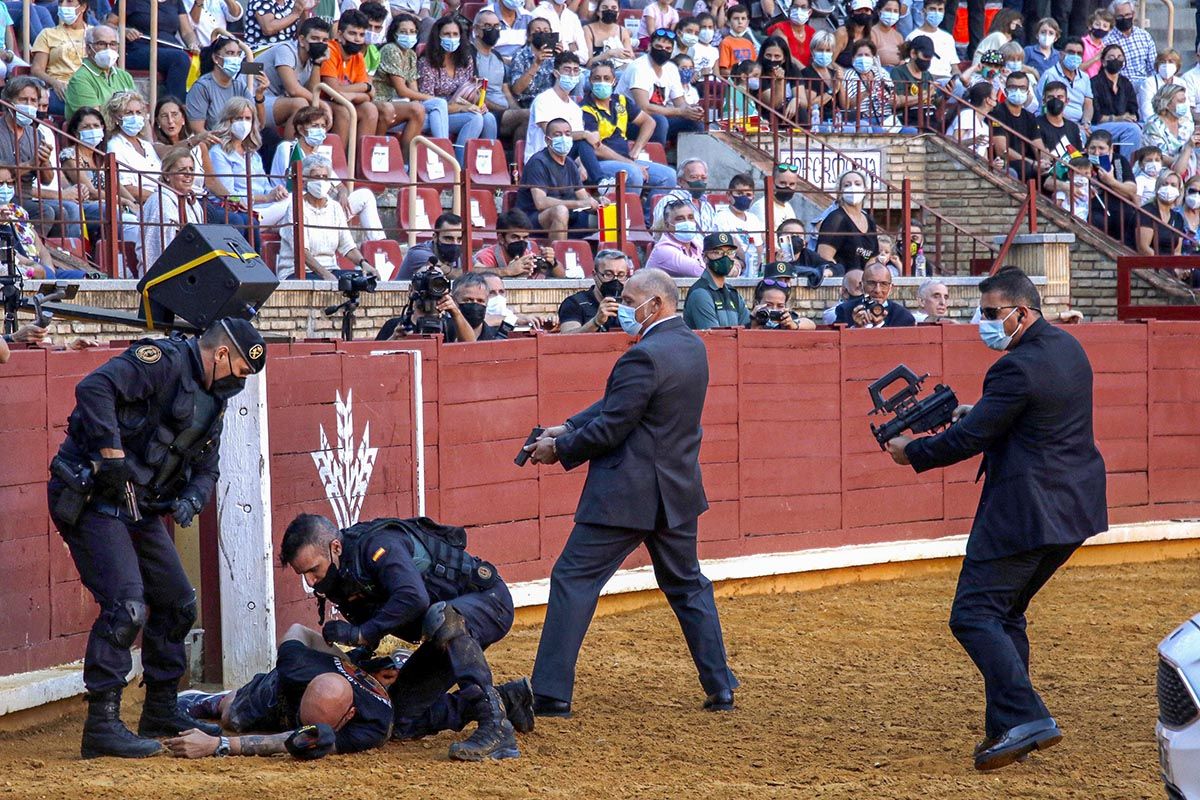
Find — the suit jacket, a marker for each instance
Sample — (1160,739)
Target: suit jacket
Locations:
(642,438)
(897,315)
(1045,480)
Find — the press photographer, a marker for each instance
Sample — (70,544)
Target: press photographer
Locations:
(445,250)
(873,309)
(433,308)
(771,309)
(595,309)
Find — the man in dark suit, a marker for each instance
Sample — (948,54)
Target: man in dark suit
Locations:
(1043,496)
(642,440)
(872,309)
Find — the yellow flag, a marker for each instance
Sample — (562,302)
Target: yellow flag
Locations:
(193,71)
(608,223)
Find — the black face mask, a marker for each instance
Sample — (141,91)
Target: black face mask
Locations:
(923,63)
(490,37)
(771,64)
(517,248)
(227,387)
(353,48)
(540,40)
(797,246)
(1124,24)
(784,195)
(1113,67)
(1097,33)
(608,16)
(1055,106)
(332,581)
(473,313)
(611,288)
(862,18)
(317,50)
(659,56)
(1018,33)
(447,253)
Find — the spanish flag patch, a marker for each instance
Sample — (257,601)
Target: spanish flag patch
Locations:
(379,554)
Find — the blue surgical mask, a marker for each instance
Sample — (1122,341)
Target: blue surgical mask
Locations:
(514,5)
(7,193)
(92,136)
(315,137)
(568,82)
(935,18)
(1183,110)
(449,45)
(688,39)
(753,84)
(406,40)
(68,15)
(602,91)
(1094,158)
(800,16)
(889,18)
(232,65)
(686,75)
(686,230)
(991,331)
(1014,66)
(26,114)
(561,144)
(1072,61)
(863,63)
(627,316)
(822,58)
(132,124)
(1017,97)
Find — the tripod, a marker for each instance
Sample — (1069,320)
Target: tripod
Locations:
(347,307)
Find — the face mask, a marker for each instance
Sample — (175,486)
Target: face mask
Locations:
(1013,66)
(1017,97)
(1168,194)
(800,16)
(92,136)
(1124,24)
(689,39)
(863,63)
(991,331)
(720,266)
(1152,168)
(686,75)
(561,145)
(516,249)
(608,16)
(315,137)
(697,188)
(1081,182)
(449,45)
(1193,201)
(1072,61)
(935,18)
(1113,67)
(770,65)
(68,15)
(660,56)
(354,48)
(822,58)
(227,387)
(559,2)
(447,253)
(923,63)
(1094,158)
(853,197)
(318,187)
(706,35)
(861,18)
(240,128)
(1167,71)
(753,84)
(1047,40)
(489,38)
(784,195)
(132,124)
(319,49)
(514,5)
(329,585)
(7,193)
(105,58)
(1099,33)
(568,82)
(231,65)
(1182,110)
(406,40)
(627,316)
(25,114)
(602,91)
(889,18)
(611,288)
(742,203)
(497,306)
(378,37)
(473,313)
(686,231)
(1055,106)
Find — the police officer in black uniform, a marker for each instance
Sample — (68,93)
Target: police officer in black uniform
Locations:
(413,579)
(142,442)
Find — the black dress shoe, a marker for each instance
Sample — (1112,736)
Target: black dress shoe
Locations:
(549,707)
(1016,743)
(719,701)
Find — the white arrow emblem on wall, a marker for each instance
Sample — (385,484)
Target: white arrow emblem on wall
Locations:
(345,473)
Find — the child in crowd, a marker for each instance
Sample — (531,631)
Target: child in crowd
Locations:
(1041,55)
(746,81)
(1147,166)
(739,45)
(687,73)
(659,14)
(1099,25)
(705,53)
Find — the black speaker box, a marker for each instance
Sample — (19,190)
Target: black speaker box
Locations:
(207,272)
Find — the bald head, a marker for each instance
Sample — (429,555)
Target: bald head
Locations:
(852,284)
(648,283)
(329,699)
(877,281)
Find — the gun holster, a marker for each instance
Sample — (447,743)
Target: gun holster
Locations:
(77,489)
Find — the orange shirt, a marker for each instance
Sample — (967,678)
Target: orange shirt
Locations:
(338,66)
(734,50)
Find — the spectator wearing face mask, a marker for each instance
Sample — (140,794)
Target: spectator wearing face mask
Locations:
(739,220)
(514,255)
(221,82)
(1190,212)
(1171,129)
(511,122)
(1059,135)
(1068,71)
(377,19)
(1167,69)
(1014,63)
(499,312)
(558,102)
(796,31)
(848,236)
(884,34)
(1147,167)
(326,229)
(687,74)
(1041,55)
(857,28)
(595,309)
(705,51)
(710,302)
(125,116)
(446,70)
(1015,132)
(772,309)
(235,156)
(514,20)
(870,93)
(345,70)
(445,249)
(606,39)
(1114,188)
(99,78)
(787,181)
(1115,98)
(692,180)
(780,80)
(677,251)
(396,82)
(552,191)
(293,73)
(58,52)
(653,82)
(1158,225)
(823,81)
(739,45)
(915,97)
(1137,43)
(945,52)
(531,70)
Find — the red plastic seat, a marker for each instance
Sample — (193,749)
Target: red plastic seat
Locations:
(519,155)
(71,245)
(573,251)
(270,253)
(334,149)
(657,153)
(481,206)
(635,258)
(486,163)
(421,218)
(384,255)
(433,169)
(635,219)
(380,161)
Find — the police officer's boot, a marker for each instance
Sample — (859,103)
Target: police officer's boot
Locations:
(105,735)
(518,704)
(161,715)
(494,737)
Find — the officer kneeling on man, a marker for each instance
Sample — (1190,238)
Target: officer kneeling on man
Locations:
(143,442)
(413,579)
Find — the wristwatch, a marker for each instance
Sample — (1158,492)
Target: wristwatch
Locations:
(222,748)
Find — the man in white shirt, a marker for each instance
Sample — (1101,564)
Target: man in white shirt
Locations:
(653,82)
(566,24)
(787,181)
(747,229)
(556,103)
(209,15)
(945,54)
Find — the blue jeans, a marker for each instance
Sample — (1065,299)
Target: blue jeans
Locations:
(50,212)
(173,64)
(437,118)
(1126,135)
(467,125)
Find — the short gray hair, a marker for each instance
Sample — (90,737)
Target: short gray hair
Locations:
(89,35)
(927,286)
(316,160)
(1162,98)
(822,40)
(687,162)
(604,256)
(18,84)
(657,284)
(1115,4)
(469,279)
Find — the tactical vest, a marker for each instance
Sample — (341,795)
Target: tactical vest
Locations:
(607,127)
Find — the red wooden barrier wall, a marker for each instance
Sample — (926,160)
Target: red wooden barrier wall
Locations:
(788,458)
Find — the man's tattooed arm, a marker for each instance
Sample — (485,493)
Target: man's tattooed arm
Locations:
(269,745)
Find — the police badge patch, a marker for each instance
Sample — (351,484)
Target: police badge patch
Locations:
(148,354)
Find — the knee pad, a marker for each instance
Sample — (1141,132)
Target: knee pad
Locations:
(121,620)
(179,620)
(442,623)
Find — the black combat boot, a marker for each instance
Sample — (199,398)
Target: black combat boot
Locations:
(105,735)
(494,737)
(161,715)
(518,704)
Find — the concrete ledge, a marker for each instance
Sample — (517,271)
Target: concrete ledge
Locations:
(31,689)
(1037,238)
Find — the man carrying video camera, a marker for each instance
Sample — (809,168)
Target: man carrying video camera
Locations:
(873,309)
(432,308)
(595,309)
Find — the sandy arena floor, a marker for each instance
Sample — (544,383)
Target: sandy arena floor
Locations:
(849,692)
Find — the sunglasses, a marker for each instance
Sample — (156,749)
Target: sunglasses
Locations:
(992,312)
(664,33)
(788,168)
(775,283)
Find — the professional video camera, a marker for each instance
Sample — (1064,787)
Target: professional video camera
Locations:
(918,416)
(352,283)
(428,287)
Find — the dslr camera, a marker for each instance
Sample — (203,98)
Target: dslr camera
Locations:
(871,305)
(428,287)
(765,315)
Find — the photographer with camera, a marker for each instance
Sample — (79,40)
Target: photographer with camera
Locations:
(513,255)
(710,303)
(873,310)
(326,229)
(433,309)
(595,309)
(771,309)
(445,250)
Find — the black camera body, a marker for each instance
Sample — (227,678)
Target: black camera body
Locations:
(429,325)
(871,305)
(428,287)
(918,416)
(765,315)
(354,281)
